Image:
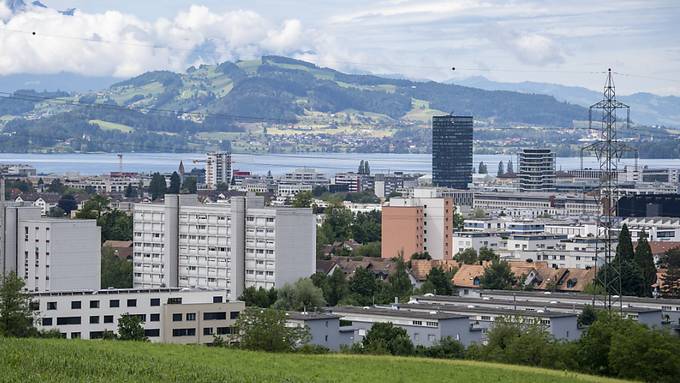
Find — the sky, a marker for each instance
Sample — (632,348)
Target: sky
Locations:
(570,42)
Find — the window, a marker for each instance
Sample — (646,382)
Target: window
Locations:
(108,318)
(131,303)
(184,332)
(75,305)
(215,316)
(94,304)
(96,334)
(176,317)
(174,301)
(94,319)
(65,321)
(152,333)
(207,331)
(75,335)
(233,315)
(223,330)
(47,321)
(417,323)
(155,317)
(155,301)
(114,303)
(191,316)
(51,305)
(217,299)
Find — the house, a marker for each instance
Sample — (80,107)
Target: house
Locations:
(469,276)
(121,249)
(420,268)
(380,267)
(45,201)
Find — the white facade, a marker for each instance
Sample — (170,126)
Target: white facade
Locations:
(229,246)
(87,314)
(656,228)
(291,190)
(476,241)
(306,176)
(50,253)
(217,169)
(536,170)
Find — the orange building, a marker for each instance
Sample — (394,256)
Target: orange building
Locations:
(402,231)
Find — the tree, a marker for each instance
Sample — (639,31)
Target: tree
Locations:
(115,271)
(130,191)
(67,203)
(302,199)
(511,169)
(259,297)
(362,167)
(478,213)
(441,281)
(363,286)
(366,227)
(56,212)
(424,255)
(175,183)
(458,222)
(189,186)
(482,168)
(486,254)
(337,288)
(624,249)
(56,186)
(370,250)
(367,168)
(94,207)
(385,338)
(130,328)
(501,170)
(115,225)
(337,226)
(399,282)
(467,256)
(445,348)
(266,330)
(302,295)
(16,316)
(670,287)
(628,271)
(498,276)
(645,263)
(157,187)
(587,316)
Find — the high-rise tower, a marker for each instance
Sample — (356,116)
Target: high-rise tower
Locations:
(452,151)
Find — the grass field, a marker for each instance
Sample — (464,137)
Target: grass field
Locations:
(39,360)
(105,125)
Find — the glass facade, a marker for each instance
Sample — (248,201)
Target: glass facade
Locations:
(452,151)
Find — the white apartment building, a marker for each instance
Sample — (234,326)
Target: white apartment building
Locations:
(477,240)
(291,190)
(305,176)
(536,170)
(49,253)
(102,184)
(656,228)
(217,169)
(230,246)
(87,314)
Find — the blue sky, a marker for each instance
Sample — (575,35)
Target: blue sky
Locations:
(566,42)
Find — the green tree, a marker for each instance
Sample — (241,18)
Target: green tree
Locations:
(67,203)
(467,256)
(478,213)
(115,271)
(130,328)
(56,212)
(94,207)
(458,222)
(645,263)
(130,191)
(482,168)
(337,288)
(510,169)
(56,186)
(16,316)
(371,250)
(302,295)
(363,286)
(303,199)
(424,255)
(189,186)
(441,281)
(367,168)
(366,227)
(362,167)
(670,287)
(501,169)
(337,226)
(385,338)
(624,248)
(157,187)
(486,254)
(399,282)
(596,343)
(175,183)
(266,330)
(587,316)
(629,274)
(498,276)
(259,297)
(445,348)
(115,225)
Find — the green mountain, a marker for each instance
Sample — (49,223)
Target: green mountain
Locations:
(209,105)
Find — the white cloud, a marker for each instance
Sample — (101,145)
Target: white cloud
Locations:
(530,48)
(127,45)
(5,13)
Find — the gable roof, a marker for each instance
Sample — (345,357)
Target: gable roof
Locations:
(420,268)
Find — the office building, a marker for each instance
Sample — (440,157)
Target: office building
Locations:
(217,169)
(49,253)
(660,205)
(536,170)
(183,243)
(169,315)
(423,223)
(452,151)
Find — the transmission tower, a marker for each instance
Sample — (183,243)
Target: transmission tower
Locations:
(608,150)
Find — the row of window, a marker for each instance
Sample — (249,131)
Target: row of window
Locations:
(95,319)
(180,332)
(177,317)
(95,304)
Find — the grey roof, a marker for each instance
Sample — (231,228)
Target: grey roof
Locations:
(580,296)
(309,316)
(124,291)
(394,312)
(467,311)
(463,301)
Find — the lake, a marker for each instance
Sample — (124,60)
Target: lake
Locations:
(99,163)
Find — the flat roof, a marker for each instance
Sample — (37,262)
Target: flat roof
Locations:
(484,310)
(394,312)
(571,295)
(295,315)
(445,299)
(126,291)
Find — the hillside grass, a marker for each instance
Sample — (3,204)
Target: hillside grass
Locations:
(56,360)
(106,125)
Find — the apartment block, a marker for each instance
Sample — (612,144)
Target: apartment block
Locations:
(168,315)
(423,223)
(536,170)
(49,253)
(217,169)
(231,246)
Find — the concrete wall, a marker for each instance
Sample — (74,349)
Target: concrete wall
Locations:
(75,259)
(295,245)
(402,231)
(199,322)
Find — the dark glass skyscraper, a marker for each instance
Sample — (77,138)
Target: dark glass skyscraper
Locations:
(452,151)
